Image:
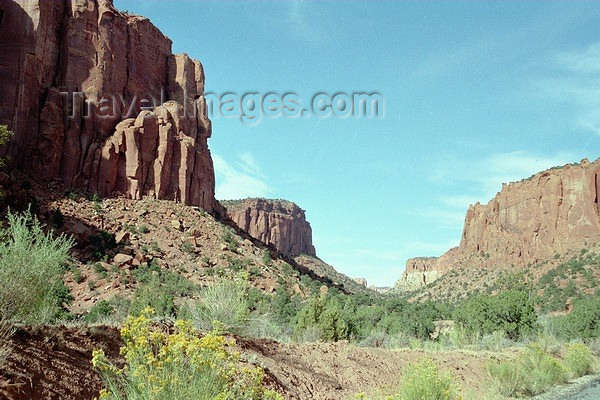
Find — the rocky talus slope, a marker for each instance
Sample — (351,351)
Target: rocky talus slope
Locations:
(75,79)
(553,214)
(119,239)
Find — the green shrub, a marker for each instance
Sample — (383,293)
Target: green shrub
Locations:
(541,371)
(224,306)
(31,269)
(230,239)
(5,136)
(325,314)
(583,322)
(77,276)
(512,312)
(594,345)
(178,366)
(6,331)
(153,295)
(579,359)
(266,258)
(108,311)
(532,373)
(57,218)
(507,377)
(101,243)
(424,380)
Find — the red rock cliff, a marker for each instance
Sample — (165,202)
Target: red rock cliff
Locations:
(552,212)
(531,220)
(278,222)
(49,48)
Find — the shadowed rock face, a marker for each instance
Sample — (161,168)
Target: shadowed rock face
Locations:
(277,222)
(552,212)
(49,48)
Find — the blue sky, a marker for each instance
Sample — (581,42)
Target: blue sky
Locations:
(476,94)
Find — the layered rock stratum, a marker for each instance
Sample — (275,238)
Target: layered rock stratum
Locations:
(278,222)
(97,100)
(535,219)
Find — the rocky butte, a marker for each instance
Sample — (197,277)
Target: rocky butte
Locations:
(100,140)
(554,211)
(283,225)
(278,222)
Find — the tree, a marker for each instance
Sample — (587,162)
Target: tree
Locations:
(512,311)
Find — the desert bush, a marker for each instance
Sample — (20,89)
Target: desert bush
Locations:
(113,310)
(101,243)
(541,371)
(326,314)
(230,239)
(424,380)
(6,331)
(31,269)
(153,295)
(177,366)
(583,322)
(284,305)
(511,311)
(5,136)
(506,377)
(375,338)
(532,373)
(158,289)
(579,359)
(264,325)
(496,341)
(594,345)
(224,306)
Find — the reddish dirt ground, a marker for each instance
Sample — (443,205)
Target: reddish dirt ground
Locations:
(54,363)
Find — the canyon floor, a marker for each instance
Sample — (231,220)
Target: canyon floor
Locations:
(54,362)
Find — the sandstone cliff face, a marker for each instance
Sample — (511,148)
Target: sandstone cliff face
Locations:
(554,211)
(124,64)
(277,222)
(421,271)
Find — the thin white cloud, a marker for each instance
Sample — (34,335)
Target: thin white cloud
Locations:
(302,23)
(577,85)
(444,216)
(484,178)
(586,60)
(240,179)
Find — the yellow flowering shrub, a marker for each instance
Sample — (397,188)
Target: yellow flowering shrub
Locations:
(178,366)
